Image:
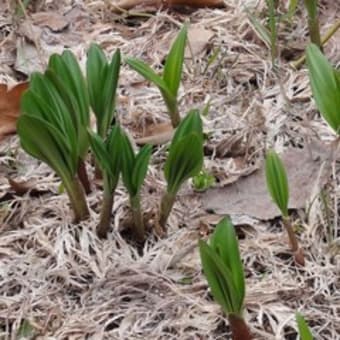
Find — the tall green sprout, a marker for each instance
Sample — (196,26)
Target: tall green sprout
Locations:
(304,331)
(185,160)
(223,269)
(277,185)
(169,82)
(49,128)
(134,169)
(109,157)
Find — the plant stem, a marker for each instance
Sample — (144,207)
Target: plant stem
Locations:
(105,213)
(313,22)
(83,177)
(167,203)
(77,198)
(137,218)
(297,251)
(172,107)
(239,328)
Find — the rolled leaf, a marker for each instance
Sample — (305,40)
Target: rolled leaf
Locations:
(174,62)
(325,86)
(225,243)
(141,167)
(277,182)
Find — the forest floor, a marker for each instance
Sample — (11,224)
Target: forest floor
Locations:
(59,281)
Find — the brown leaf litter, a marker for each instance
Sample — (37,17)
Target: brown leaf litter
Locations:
(65,283)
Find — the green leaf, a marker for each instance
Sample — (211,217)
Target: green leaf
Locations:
(304,331)
(96,65)
(277,182)
(148,73)
(225,243)
(219,279)
(98,147)
(185,160)
(325,86)
(191,123)
(174,62)
(109,92)
(102,85)
(41,140)
(128,160)
(141,167)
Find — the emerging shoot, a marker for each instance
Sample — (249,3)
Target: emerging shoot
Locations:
(185,160)
(109,157)
(277,185)
(169,82)
(223,269)
(134,169)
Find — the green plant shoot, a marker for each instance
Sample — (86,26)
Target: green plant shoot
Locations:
(304,331)
(102,80)
(203,181)
(71,85)
(185,160)
(108,154)
(277,185)
(325,84)
(169,82)
(47,132)
(223,269)
(134,169)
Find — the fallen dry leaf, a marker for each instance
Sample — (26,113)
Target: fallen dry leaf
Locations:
(54,21)
(20,188)
(249,195)
(199,39)
(156,134)
(10,107)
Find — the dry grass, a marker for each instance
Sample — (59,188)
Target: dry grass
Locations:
(70,285)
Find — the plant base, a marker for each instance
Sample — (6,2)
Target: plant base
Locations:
(239,328)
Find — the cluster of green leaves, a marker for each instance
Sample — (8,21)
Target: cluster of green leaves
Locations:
(169,82)
(325,84)
(53,126)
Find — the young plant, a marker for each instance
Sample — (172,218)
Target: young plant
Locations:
(102,81)
(304,331)
(223,269)
(70,83)
(325,84)
(108,154)
(277,185)
(313,22)
(185,160)
(203,181)
(169,82)
(134,169)
(47,132)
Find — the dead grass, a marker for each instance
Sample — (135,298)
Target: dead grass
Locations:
(70,285)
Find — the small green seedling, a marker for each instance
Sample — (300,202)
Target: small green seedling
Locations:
(108,155)
(102,80)
(277,185)
(48,130)
(325,84)
(71,85)
(169,82)
(185,160)
(304,331)
(203,181)
(223,269)
(134,169)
